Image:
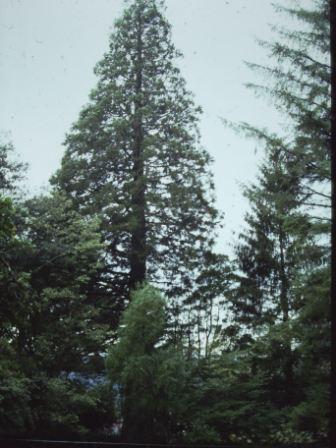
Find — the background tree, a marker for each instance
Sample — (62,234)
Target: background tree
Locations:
(15,385)
(11,170)
(52,340)
(286,246)
(299,85)
(60,343)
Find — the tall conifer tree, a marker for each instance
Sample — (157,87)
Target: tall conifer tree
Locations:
(134,156)
(284,254)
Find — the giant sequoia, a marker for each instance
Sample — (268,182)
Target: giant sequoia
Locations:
(134,157)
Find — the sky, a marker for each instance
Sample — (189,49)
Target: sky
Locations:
(48,49)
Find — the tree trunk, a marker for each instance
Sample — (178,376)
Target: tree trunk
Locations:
(138,237)
(133,425)
(288,359)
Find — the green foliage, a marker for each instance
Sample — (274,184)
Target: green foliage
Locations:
(150,375)
(134,157)
(6,220)
(14,385)
(134,201)
(49,322)
(15,410)
(281,299)
(11,171)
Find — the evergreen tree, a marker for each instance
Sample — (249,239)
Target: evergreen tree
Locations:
(299,85)
(285,249)
(150,375)
(135,158)
(207,306)
(275,247)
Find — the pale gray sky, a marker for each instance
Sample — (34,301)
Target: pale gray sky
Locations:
(48,49)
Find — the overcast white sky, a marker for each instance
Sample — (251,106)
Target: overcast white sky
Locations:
(48,49)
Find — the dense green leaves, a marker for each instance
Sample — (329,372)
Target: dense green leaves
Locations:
(11,171)
(224,351)
(149,374)
(135,158)
(281,299)
(51,338)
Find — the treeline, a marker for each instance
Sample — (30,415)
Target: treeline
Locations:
(118,317)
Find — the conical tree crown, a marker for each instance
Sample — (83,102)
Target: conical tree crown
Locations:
(134,156)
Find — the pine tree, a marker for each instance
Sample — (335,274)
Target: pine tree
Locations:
(299,85)
(285,252)
(273,249)
(134,156)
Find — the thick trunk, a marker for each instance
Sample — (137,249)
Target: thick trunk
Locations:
(135,426)
(138,237)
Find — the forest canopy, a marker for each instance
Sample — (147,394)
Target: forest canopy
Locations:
(119,318)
